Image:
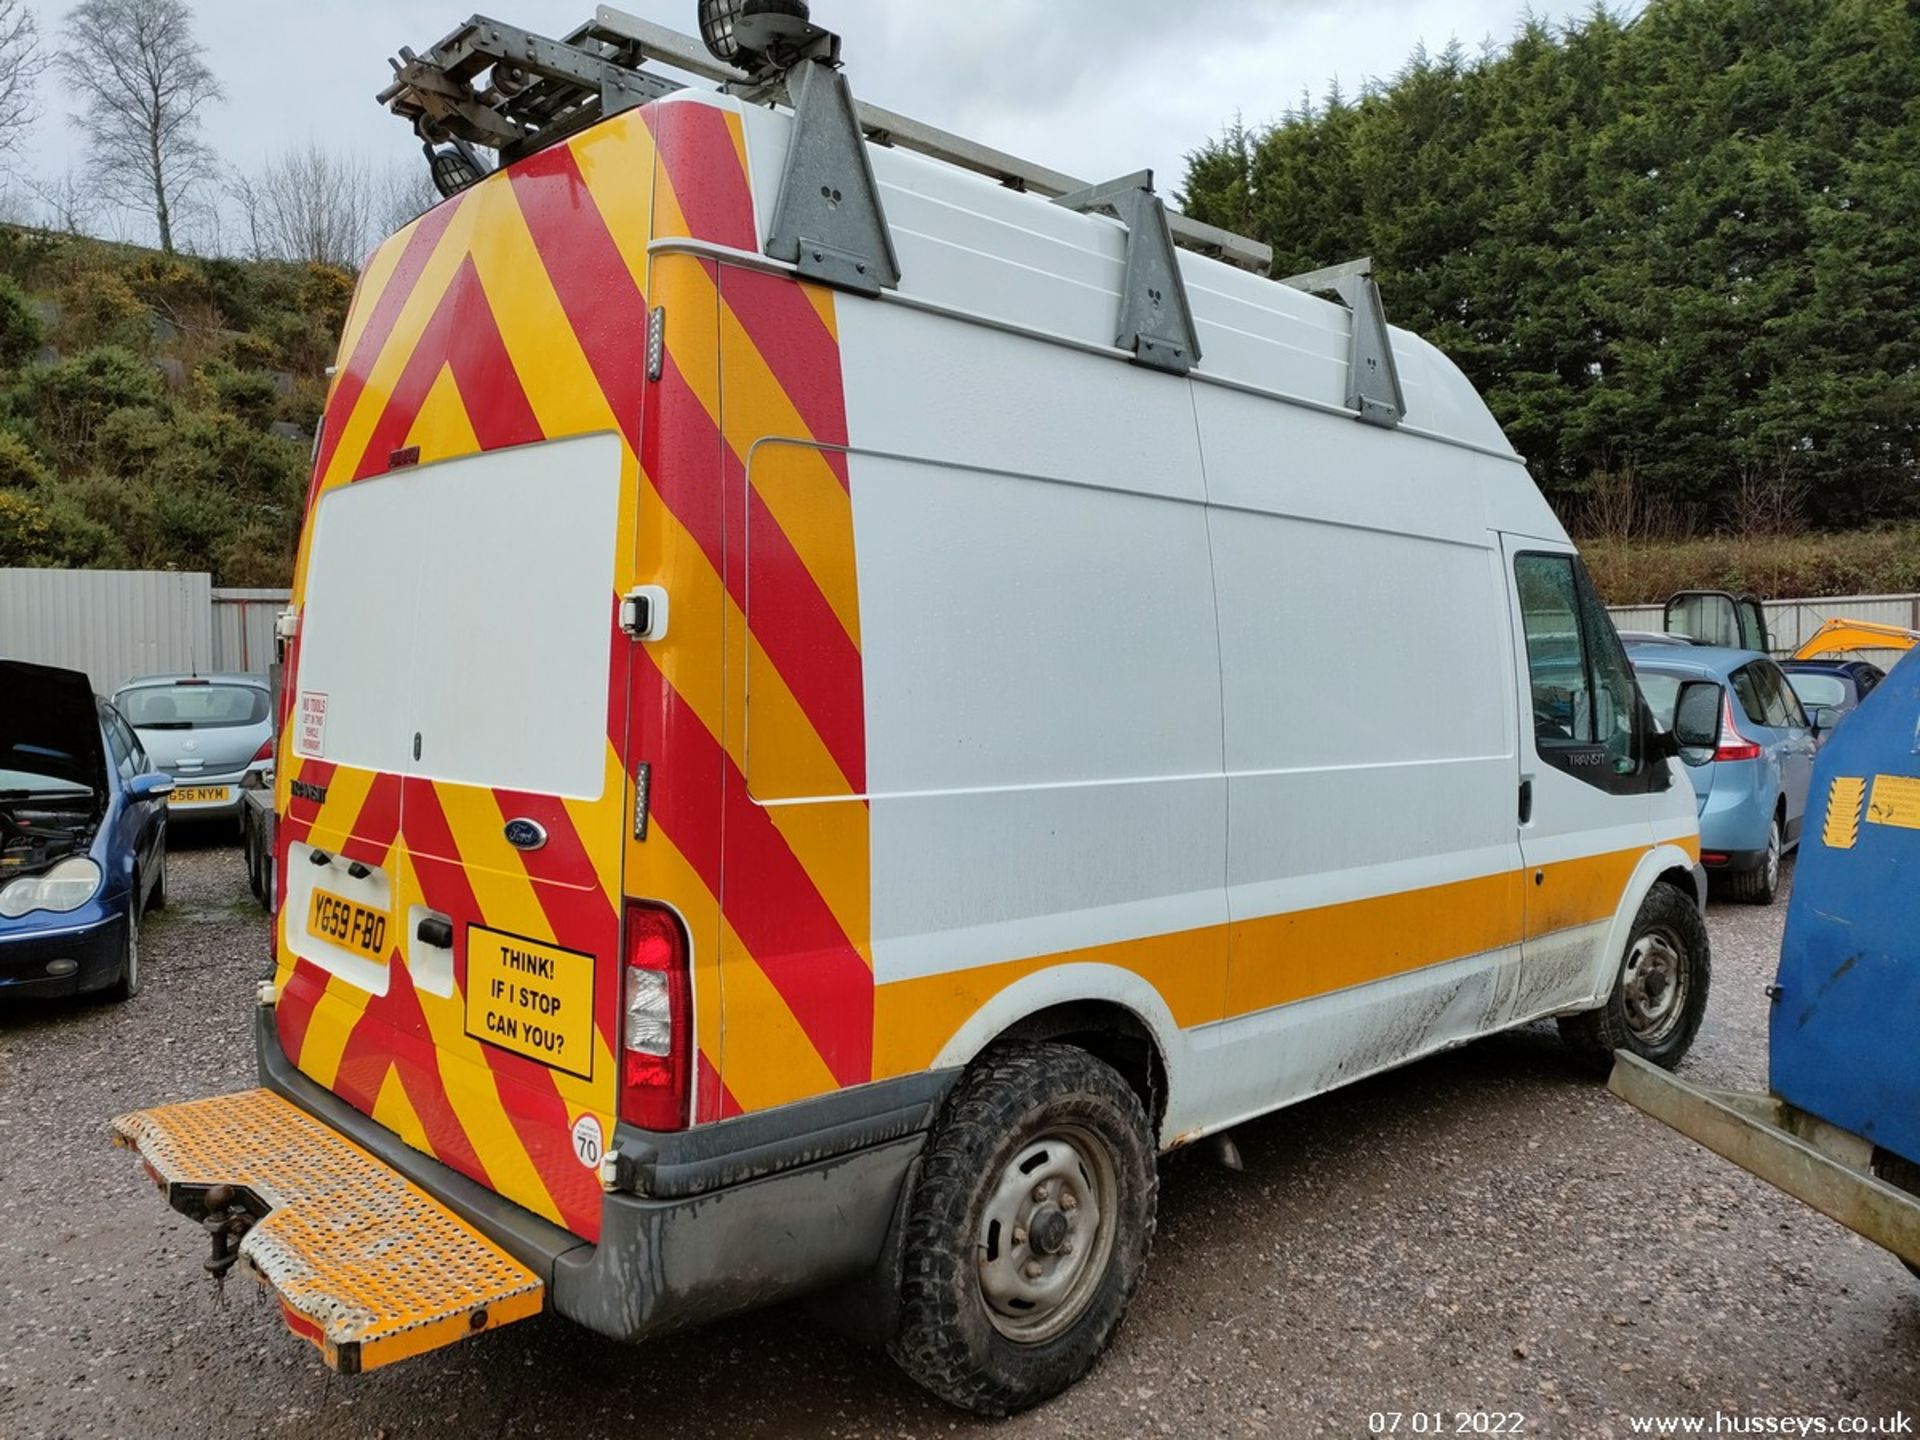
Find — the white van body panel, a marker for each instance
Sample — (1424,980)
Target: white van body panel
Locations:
(1147,655)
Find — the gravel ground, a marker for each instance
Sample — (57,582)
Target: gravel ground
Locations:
(1480,1231)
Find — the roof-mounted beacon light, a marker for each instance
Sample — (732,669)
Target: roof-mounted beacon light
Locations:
(765,38)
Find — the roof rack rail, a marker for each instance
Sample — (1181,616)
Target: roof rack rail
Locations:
(536,92)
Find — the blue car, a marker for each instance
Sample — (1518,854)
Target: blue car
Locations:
(1831,690)
(83,837)
(1751,786)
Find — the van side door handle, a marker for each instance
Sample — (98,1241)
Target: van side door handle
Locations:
(1526,802)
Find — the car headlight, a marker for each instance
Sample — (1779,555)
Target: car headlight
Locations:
(67,886)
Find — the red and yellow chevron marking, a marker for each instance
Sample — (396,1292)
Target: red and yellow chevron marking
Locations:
(519,312)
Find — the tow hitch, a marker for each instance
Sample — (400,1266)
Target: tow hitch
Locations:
(226,1223)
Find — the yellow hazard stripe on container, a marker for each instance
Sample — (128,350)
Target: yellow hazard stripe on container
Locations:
(1843,812)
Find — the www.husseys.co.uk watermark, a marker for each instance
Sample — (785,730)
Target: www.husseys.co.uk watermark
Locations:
(1899,1423)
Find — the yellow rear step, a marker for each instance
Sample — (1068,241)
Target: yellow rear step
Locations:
(367,1266)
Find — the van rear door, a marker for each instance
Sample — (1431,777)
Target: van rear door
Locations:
(462,666)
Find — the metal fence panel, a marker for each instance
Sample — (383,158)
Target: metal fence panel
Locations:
(112,624)
(1791,623)
(243,641)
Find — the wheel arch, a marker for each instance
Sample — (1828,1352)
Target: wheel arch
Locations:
(1115,1015)
(1664,864)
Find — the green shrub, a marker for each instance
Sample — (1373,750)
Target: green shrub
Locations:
(252,395)
(193,526)
(22,332)
(130,441)
(69,399)
(98,307)
(20,468)
(23,529)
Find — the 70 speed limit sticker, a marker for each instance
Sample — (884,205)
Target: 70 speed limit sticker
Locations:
(589,1141)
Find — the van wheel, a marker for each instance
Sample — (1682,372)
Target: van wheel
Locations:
(1659,993)
(1902,1175)
(1028,1229)
(1761,884)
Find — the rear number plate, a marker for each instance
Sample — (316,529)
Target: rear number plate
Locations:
(348,924)
(199,795)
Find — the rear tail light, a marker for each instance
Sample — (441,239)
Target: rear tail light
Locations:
(656,1064)
(265,752)
(1733,745)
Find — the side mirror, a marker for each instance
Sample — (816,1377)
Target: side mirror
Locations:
(1824,717)
(1696,720)
(151,786)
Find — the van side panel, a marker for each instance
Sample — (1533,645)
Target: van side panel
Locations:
(1042,679)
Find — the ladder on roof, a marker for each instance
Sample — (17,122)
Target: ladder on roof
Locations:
(499,87)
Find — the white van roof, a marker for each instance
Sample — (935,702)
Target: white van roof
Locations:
(971,246)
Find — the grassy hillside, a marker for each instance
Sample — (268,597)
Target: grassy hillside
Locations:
(157,412)
(1867,562)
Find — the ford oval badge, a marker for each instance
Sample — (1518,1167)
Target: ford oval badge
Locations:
(526,834)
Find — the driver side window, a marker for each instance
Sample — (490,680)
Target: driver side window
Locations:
(1585,704)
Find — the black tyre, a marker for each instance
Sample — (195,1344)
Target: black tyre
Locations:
(1659,992)
(1902,1175)
(1761,884)
(157,896)
(1028,1229)
(252,844)
(126,984)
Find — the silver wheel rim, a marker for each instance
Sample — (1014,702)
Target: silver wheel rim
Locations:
(1654,983)
(1773,855)
(1046,1234)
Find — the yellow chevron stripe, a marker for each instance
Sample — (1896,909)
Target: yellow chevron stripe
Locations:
(617,161)
(442,429)
(394,1110)
(449,250)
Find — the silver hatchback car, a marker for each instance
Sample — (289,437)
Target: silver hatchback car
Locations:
(212,733)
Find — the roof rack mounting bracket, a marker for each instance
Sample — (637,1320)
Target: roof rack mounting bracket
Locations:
(1373,380)
(1156,322)
(829,221)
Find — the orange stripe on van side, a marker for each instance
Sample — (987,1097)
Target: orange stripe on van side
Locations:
(1277,959)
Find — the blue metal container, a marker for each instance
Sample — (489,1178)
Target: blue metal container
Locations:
(1846,1016)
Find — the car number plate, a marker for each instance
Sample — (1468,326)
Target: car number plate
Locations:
(199,794)
(348,924)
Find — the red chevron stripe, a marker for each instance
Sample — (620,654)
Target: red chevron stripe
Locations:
(798,349)
(293,1011)
(596,290)
(803,638)
(771,902)
(696,149)
(527,1090)
(373,339)
(462,335)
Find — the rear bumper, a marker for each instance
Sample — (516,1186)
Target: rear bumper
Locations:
(705,1223)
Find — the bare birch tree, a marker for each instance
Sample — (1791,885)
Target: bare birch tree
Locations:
(136,70)
(21,64)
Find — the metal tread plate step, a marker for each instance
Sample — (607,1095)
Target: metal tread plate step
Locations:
(367,1266)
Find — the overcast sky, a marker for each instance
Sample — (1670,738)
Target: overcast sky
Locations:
(1097,88)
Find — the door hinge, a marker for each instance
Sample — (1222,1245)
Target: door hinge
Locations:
(643,612)
(657,342)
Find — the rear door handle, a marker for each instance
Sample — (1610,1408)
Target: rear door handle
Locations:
(1526,802)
